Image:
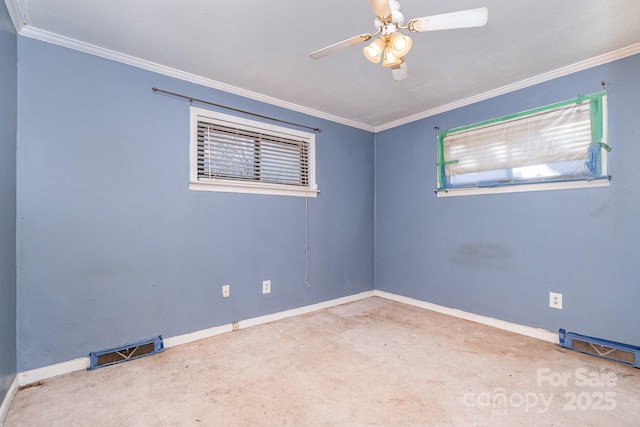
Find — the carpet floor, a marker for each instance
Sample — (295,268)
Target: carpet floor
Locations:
(372,362)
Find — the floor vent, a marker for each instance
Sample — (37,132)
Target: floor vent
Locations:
(125,353)
(618,352)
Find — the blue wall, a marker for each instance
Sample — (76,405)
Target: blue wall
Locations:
(8,107)
(500,255)
(114,248)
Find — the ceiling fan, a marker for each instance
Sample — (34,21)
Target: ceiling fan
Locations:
(391,45)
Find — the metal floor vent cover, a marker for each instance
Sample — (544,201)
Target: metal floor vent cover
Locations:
(99,359)
(611,350)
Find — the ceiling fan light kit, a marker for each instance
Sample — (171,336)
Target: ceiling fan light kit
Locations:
(394,46)
(391,45)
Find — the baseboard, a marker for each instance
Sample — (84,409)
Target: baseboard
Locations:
(304,310)
(8,398)
(35,375)
(243,324)
(540,334)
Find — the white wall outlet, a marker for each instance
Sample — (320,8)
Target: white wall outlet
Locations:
(225,291)
(555,300)
(235,326)
(266,286)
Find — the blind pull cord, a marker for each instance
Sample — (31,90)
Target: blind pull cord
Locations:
(306,241)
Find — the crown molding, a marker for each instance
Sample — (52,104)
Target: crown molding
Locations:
(17,17)
(560,72)
(49,37)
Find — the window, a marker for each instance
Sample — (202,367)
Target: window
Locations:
(562,145)
(232,154)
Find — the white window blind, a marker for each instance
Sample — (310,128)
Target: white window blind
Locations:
(223,153)
(229,153)
(552,143)
(239,152)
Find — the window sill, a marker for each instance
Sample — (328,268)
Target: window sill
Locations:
(251,188)
(520,188)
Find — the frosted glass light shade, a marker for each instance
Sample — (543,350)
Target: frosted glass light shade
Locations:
(390,59)
(373,52)
(400,44)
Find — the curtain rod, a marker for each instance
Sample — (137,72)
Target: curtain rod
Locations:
(191,99)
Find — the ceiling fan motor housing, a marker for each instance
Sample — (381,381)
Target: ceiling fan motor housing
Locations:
(389,24)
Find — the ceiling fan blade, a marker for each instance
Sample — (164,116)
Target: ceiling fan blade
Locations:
(400,72)
(446,21)
(339,46)
(380,7)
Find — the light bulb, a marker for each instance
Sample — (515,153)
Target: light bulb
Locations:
(390,59)
(400,44)
(373,52)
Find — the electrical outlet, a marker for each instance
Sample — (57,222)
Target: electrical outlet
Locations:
(235,326)
(555,300)
(225,291)
(266,286)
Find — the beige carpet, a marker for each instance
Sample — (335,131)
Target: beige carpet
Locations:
(372,362)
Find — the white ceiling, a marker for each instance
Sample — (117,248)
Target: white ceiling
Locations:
(262,47)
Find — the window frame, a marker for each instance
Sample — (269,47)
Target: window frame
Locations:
(603,180)
(247,186)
